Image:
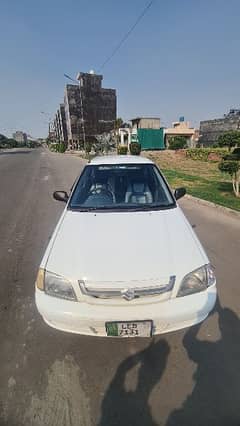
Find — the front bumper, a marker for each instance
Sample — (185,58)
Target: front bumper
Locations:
(90,319)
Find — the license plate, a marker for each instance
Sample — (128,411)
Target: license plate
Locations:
(129,328)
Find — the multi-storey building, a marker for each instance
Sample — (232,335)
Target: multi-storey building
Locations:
(20,137)
(90,110)
(60,125)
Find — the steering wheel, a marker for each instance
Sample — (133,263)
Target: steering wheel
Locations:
(102,191)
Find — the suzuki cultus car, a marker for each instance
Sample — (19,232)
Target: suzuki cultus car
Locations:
(123,260)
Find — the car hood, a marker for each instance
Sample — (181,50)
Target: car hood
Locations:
(123,246)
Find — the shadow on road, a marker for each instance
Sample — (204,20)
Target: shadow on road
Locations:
(215,400)
(15,152)
(122,407)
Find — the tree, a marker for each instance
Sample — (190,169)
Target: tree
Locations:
(234,155)
(230,139)
(233,169)
(7,142)
(3,141)
(3,137)
(118,123)
(177,142)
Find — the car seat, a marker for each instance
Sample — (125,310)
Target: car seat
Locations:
(138,192)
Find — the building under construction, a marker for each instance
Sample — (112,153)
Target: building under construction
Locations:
(59,126)
(90,110)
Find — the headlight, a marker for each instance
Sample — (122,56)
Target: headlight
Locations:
(40,279)
(55,285)
(196,281)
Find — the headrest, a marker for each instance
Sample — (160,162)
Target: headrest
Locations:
(138,187)
(98,185)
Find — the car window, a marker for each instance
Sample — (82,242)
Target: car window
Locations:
(126,186)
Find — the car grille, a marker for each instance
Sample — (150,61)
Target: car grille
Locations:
(126,292)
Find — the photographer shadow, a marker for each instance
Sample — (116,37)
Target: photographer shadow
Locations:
(215,399)
(131,408)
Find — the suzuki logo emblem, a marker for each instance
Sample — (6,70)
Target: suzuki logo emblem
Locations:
(128,294)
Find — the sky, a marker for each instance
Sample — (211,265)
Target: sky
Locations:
(181,60)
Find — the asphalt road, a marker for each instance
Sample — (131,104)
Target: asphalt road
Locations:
(52,378)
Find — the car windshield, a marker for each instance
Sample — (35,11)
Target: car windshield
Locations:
(119,187)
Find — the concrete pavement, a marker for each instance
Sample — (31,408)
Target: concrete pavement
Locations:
(48,377)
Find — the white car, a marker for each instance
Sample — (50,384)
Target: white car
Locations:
(123,259)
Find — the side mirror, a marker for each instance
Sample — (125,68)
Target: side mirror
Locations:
(60,196)
(179,193)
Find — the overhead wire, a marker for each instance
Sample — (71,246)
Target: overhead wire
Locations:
(125,37)
(122,41)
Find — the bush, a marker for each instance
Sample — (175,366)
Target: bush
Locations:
(61,147)
(202,154)
(14,144)
(122,149)
(30,144)
(177,142)
(52,147)
(230,167)
(135,148)
(198,153)
(57,147)
(33,144)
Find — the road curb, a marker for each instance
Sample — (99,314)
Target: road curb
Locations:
(223,209)
(76,154)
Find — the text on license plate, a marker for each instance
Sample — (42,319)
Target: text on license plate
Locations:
(129,328)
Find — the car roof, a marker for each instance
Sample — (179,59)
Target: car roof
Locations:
(120,159)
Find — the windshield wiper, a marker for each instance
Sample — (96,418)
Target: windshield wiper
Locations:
(123,207)
(147,207)
(90,209)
